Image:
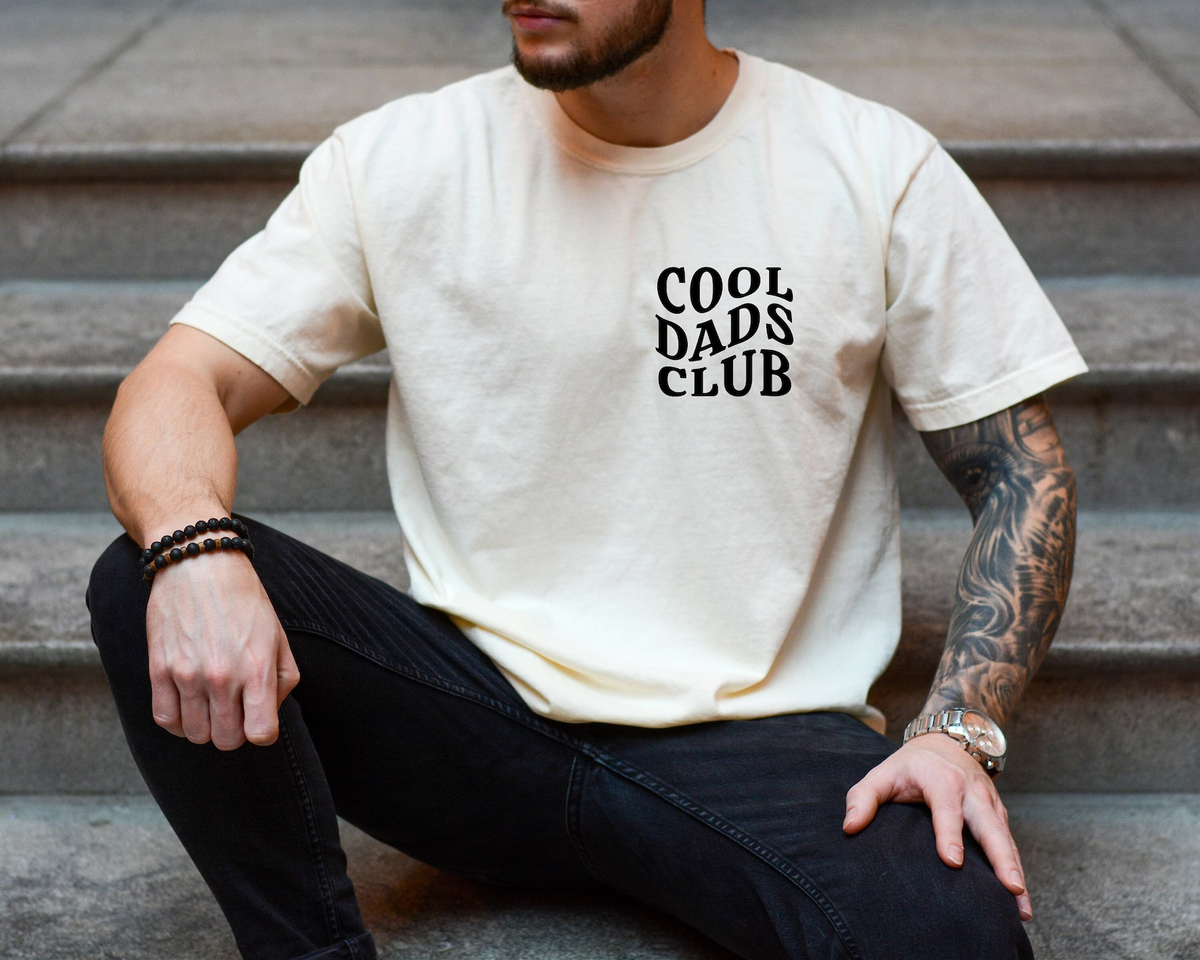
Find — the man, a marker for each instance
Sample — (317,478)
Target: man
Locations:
(644,300)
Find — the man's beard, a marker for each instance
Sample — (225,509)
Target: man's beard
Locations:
(623,44)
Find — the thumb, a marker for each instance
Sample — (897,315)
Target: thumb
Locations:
(864,799)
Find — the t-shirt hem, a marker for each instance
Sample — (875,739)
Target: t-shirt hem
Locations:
(274,359)
(1000,395)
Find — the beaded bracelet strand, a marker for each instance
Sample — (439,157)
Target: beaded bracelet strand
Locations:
(194,549)
(172,548)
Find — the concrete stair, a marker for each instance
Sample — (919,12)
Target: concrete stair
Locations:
(141,140)
(1113,876)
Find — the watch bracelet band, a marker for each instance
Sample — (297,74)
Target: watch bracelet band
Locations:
(938,723)
(933,722)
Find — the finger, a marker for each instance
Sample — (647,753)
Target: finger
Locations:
(946,804)
(225,712)
(164,700)
(260,702)
(1024,903)
(287,673)
(998,844)
(194,710)
(864,798)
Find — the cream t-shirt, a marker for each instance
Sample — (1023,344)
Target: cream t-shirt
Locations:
(639,429)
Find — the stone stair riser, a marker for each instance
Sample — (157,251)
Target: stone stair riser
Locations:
(1137,454)
(1101,732)
(1096,226)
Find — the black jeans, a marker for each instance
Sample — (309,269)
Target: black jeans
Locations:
(404,728)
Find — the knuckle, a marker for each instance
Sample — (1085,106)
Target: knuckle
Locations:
(218,679)
(186,678)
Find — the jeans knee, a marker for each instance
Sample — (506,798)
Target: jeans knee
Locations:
(977,915)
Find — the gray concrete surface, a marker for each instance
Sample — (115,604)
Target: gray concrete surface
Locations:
(975,70)
(1119,320)
(47,49)
(1112,878)
(1168,31)
(212,71)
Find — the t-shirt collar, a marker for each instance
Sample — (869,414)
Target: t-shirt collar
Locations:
(655,160)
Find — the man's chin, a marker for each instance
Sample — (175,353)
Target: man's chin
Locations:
(550,72)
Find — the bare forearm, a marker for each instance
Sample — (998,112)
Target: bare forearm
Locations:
(1015,478)
(168,452)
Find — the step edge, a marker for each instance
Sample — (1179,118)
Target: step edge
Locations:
(982,159)
(100,382)
(26,656)
(371,383)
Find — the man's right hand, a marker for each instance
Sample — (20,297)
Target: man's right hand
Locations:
(220,664)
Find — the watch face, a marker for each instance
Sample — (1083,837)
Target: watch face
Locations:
(984,735)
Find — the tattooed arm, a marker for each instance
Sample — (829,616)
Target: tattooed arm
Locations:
(1011,471)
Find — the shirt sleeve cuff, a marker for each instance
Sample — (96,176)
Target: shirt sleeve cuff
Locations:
(997,396)
(273,358)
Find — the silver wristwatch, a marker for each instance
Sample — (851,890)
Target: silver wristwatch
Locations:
(978,733)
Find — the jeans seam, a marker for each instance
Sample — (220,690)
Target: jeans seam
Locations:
(720,824)
(574,831)
(314,834)
(346,948)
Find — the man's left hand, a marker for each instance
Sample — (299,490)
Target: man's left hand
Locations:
(936,770)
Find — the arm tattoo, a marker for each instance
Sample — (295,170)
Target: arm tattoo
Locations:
(1012,473)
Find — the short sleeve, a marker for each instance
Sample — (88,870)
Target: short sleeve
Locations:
(296,298)
(969,330)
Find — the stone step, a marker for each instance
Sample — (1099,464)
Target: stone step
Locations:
(1122,677)
(1123,324)
(145,71)
(64,347)
(1112,877)
(145,212)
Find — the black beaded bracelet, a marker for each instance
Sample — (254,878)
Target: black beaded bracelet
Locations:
(173,548)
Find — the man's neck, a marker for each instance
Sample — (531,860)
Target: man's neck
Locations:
(666,96)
